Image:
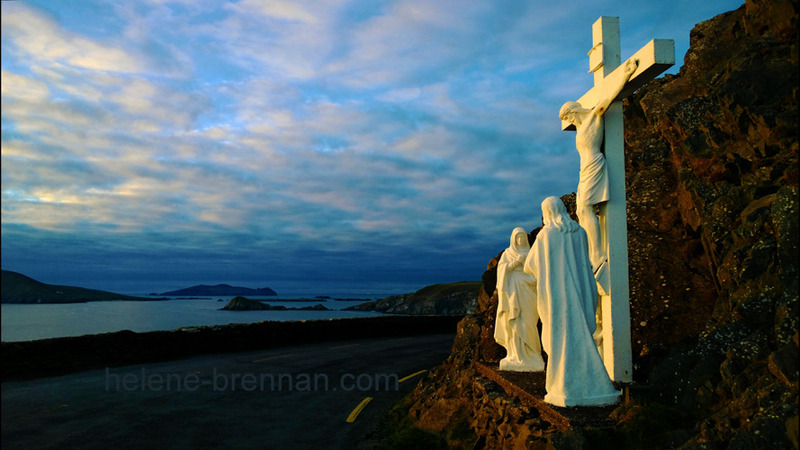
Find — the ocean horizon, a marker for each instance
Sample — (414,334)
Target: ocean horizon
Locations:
(25,322)
(284,289)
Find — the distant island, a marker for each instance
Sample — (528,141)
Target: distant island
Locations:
(220,289)
(18,288)
(245,304)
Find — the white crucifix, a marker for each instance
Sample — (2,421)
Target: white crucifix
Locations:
(597,117)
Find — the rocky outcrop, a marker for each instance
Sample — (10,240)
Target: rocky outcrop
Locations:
(245,304)
(712,176)
(438,299)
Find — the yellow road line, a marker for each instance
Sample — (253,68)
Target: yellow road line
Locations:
(352,417)
(411,376)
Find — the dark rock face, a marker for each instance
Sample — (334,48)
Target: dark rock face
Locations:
(712,176)
(720,140)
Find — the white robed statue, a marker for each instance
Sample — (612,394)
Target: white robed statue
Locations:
(567,301)
(516,324)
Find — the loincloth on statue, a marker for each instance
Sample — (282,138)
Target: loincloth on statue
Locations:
(593,182)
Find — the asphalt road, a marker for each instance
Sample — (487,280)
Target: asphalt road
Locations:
(290,397)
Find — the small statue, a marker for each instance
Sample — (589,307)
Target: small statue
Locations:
(517,318)
(567,302)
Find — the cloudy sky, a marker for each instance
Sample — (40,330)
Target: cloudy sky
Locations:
(374,146)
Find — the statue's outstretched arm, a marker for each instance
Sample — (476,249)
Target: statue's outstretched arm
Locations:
(605,102)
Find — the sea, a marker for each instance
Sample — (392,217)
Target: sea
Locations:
(42,321)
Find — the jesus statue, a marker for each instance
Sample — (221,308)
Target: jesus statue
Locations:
(593,181)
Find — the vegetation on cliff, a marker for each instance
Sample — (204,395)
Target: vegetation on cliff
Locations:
(446,299)
(712,176)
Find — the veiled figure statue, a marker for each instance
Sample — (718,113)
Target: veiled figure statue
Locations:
(516,324)
(567,302)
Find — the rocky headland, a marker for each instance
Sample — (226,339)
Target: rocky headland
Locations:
(712,176)
(439,299)
(18,288)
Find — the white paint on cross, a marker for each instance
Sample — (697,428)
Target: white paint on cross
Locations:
(614,302)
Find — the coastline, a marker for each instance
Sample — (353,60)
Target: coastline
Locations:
(58,356)
(23,322)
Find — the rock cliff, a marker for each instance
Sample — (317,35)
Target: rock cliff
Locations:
(712,177)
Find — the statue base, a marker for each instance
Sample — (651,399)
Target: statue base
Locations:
(529,389)
(600,400)
(519,366)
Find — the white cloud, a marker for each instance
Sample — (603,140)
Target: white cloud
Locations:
(41,39)
(292,11)
(21,87)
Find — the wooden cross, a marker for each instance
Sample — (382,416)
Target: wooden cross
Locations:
(614,304)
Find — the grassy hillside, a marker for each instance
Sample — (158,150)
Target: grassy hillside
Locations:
(18,288)
(445,289)
(448,298)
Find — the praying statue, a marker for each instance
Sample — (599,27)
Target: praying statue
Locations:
(516,325)
(593,179)
(566,298)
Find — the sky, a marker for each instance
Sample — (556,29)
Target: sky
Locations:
(374,146)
